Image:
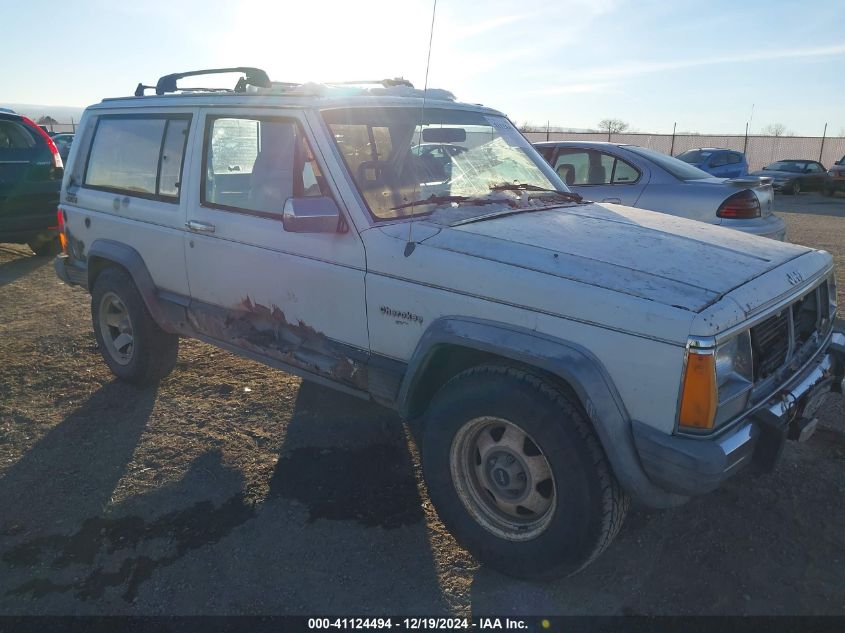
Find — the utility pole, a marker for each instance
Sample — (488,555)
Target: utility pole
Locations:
(821,151)
(548,129)
(672,150)
(745,145)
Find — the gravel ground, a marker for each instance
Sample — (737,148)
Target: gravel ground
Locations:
(232,488)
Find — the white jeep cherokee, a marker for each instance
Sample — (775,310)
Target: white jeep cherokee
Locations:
(555,357)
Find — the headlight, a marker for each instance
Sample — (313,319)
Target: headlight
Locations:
(733,363)
(734,376)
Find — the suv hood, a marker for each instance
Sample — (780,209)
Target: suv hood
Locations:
(653,256)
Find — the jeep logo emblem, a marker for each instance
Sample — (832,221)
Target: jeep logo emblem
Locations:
(794,277)
(500,475)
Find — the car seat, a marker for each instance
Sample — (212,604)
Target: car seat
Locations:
(566,171)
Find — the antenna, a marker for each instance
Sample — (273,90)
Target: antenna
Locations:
(410,245)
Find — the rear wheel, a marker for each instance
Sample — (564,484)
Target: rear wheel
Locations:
(134,347)
(517,474)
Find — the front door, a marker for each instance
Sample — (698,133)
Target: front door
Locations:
(294,298)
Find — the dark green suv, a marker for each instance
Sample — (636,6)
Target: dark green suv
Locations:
(31,173)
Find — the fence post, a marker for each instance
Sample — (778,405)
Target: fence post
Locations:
(72,125)
(745,145)
(672,150)
(548,129)
(821,151)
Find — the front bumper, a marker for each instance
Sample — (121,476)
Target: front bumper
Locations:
(695,466)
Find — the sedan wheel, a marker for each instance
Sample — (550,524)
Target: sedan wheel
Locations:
(796,187)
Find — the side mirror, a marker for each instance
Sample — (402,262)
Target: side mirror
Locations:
(311,215)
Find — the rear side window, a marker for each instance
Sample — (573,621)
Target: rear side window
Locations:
(719,160)
(14,135)
(141,156)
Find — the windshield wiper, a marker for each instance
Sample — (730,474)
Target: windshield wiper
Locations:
(524,186)
(432,199)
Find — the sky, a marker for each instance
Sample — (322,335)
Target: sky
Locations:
(710,67)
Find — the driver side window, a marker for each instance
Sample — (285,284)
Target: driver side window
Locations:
(253,165)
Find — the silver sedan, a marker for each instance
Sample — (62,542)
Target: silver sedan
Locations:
(643,178)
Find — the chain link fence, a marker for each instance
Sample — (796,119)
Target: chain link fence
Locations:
(760,150)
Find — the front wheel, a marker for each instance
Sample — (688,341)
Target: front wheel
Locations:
(134,347)
(796,188)
(517,474)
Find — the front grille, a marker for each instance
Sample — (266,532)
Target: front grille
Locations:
(804,314)
(770,344)
(789,334)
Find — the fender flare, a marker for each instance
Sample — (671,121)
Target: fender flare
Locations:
(131,260)
(571,362)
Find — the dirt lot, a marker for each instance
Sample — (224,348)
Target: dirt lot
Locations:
(232,488)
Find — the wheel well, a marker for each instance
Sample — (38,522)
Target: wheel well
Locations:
(447,361)
(96,265)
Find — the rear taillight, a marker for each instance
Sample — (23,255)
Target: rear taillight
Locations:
(51,145)
(60,221)
(740,206)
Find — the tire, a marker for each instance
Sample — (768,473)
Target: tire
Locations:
(570,521)
(827,191)
(117,310)
(796,188)
(44,247)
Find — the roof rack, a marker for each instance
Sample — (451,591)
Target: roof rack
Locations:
(252,76)
(256,82)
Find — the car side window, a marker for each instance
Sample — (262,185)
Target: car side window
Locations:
(734,158)
(814,167)
(719,160)
(573,166)
(254,165)
(140,156)
(591,167)
(624,173)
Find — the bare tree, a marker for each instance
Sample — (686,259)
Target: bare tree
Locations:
(613,126)
(47,120)
(776,129)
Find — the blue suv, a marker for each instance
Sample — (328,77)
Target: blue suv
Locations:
(724,163)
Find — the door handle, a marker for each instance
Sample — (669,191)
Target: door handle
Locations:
(613,200)
(199,227)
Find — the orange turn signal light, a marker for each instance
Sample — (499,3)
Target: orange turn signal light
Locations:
(698,399)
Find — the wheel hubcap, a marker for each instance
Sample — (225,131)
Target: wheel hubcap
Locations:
(502,478)
(116,328)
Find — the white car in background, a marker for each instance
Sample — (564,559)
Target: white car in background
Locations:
(646,179)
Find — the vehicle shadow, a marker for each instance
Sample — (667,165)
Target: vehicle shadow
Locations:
(759,545)
(342,506)
(70,474)
(25,264)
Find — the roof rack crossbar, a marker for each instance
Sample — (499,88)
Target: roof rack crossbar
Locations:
(387,83)
(167,83)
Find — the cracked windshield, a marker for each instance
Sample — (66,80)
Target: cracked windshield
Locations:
(454,159)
